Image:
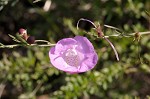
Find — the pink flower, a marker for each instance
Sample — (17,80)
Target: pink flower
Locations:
(73,55)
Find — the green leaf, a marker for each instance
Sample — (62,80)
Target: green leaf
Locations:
(21,39)
(14,38)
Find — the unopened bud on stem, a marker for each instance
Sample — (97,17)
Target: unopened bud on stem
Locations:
(23,33)
(31,39)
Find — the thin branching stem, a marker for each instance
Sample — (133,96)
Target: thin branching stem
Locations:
(17,45)
(42,45)
(128,35)
(115,35)
(141,33)
(82,19)
(42,41)
(11,46)
(112,46)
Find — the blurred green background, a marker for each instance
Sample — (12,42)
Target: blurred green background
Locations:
(26,72)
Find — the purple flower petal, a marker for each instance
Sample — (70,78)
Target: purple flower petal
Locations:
(86,45)
(73,55)
(64,44)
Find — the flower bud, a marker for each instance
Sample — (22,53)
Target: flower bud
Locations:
(31,40)
(23,33)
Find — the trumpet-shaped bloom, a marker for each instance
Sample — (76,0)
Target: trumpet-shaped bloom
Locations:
(73,55)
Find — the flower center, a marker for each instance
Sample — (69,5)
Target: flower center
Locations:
(71,57)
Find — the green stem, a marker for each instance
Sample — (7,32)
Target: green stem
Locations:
(10,46)
(44,41)
(141,33)
(43,45)
(128,35)
(50,44)
(17,45)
